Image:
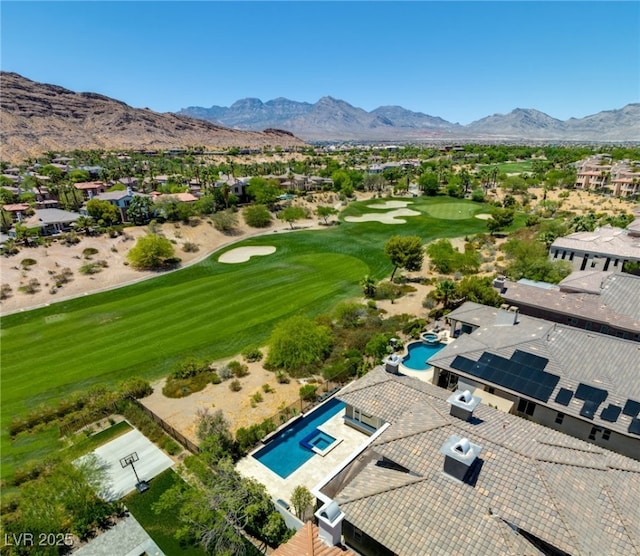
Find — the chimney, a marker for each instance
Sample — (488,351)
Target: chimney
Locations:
(459,456)
(330,523)
(516,312)
(462,404)
(498,283)
(129,190)
(391,363)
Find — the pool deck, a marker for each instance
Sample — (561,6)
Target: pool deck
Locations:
(313,471)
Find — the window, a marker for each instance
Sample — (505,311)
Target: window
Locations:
(559,418)
(592,434)
(491,390)
(527,407)
(593,263)
(572,321)
(615,263)
(555,254)
(604,329)
(357,534)
(564,255)
(571,256)
(606,434)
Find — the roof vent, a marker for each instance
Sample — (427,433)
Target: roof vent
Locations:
(459,456)
(330,523)
(462,404)
(391,363)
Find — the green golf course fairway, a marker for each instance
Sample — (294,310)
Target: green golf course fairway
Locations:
(211,310)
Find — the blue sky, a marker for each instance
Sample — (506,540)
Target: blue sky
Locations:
(457,60)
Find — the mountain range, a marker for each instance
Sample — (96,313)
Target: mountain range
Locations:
(38,117)
(332,119)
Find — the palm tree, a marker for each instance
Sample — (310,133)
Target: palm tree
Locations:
(444,291)
(368,286)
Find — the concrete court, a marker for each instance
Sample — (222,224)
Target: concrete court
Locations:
(152,461)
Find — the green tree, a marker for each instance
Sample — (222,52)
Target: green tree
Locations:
(301,499)
(104,213)
(297,344)
(479,290)
(291,215)
(368,286)
(264,191)
(140,210)
(444,292)
(257,216)
(325,212)
(500,219)
(429,184)
(150,252)
(528,259)
(405,252)
(214,433)
(377,346)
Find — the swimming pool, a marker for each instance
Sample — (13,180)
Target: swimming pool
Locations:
(284,454)
(418,353)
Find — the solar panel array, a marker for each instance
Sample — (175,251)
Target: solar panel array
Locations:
(523,372)
(611,413)
(563,397)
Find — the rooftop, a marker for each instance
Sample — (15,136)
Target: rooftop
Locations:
(606,240)
(617,301)
(530,482)
(307,543)
(572,355)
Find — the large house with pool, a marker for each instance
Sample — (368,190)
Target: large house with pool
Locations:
(575,381)
(443,474)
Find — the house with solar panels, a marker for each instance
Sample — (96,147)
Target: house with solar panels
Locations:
(443,474)
(582,383)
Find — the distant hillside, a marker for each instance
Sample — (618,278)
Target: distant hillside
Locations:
(37,117)
(333,119)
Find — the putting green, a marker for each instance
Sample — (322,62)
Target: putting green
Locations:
(452,211)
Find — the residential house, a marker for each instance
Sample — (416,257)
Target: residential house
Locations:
(307,542)
(606,248)
(604,302)
(445,475)
(91,189)
(16,210)
(50,221)
(582,383)
(121,199)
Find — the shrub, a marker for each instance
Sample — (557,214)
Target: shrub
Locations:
(225,221)
(5,291)
(225,373)
(215,379)
(171,446)
(63,277)
(238,369)
(257,397)
(88,252)
(31,287)
(235,385)
(267,389)
(189,367)
(257,216)
(93,268)
(308,391)
(26,263)
(252,354)
(190,247)
(282,377)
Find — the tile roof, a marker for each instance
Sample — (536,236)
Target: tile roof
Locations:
(577,497)
(575,355)
(307,543)
(606,240)
(617,302)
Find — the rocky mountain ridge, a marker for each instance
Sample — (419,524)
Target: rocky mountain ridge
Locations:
(37,117)
(332,119)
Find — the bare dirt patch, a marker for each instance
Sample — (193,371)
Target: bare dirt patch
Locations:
(181,413)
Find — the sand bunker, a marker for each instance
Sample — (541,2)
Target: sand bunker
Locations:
(243,254)
(386,218)
(483,216)
(389,205)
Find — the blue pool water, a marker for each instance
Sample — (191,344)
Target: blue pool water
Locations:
(318,439)
(284,454)
(419,352)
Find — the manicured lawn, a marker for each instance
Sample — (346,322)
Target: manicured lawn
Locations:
(209,310)
(512,167)
(160,527)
